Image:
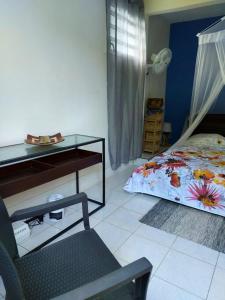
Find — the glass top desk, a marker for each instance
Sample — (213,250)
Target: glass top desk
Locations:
(24,166)
(15,153)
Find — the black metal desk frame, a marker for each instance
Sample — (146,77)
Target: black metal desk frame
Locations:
(100,204)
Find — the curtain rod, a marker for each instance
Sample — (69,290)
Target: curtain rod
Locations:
(212,25)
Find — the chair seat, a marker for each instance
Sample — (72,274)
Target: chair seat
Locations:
(68,264)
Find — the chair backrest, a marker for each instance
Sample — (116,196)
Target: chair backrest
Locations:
(10,276)
(8,253)
(7,237)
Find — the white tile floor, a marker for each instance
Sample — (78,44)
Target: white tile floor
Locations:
(183,270)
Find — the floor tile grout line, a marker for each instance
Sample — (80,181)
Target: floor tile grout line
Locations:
(179,251)
(121,226)
(201,245)
(38,234)
(43,230)
(116,208)
(103,218)
(174,241)
(114,253)
(157,276)
(119,206)
(139,212)
(169,248)
(130,234)
(23,247)
(166,254)
(153,240)
(64,219)
(161,244)
(188,255)
(218,260)
(114,226)
(52,225)
(212,277)
(176,250)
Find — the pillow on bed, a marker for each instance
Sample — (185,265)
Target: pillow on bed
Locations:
(206,139)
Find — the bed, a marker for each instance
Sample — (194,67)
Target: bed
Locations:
(192,174)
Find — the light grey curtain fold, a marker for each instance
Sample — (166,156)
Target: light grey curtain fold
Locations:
(126,52)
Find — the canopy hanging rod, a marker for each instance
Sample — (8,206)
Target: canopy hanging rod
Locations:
(210,26)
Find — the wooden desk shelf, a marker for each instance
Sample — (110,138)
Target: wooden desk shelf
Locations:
(22,176)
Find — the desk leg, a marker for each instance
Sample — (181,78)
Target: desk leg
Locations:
(77,182)
(103,172)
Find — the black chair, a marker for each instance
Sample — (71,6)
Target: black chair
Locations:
(78,267)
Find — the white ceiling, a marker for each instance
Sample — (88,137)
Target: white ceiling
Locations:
(196,13)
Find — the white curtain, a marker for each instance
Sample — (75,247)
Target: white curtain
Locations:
(126,49)
(209,77)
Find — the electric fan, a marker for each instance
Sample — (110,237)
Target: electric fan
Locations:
(160,61)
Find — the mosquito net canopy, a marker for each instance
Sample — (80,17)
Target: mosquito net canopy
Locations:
(209,78)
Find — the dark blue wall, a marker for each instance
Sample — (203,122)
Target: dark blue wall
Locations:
(180,74)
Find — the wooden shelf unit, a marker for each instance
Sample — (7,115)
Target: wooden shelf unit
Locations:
(152,132)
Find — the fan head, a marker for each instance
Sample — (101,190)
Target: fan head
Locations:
(161,60)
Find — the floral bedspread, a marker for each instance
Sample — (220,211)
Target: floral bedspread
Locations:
(194,176)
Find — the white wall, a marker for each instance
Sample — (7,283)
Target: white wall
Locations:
(158,38)
(53,77)
(53,68)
